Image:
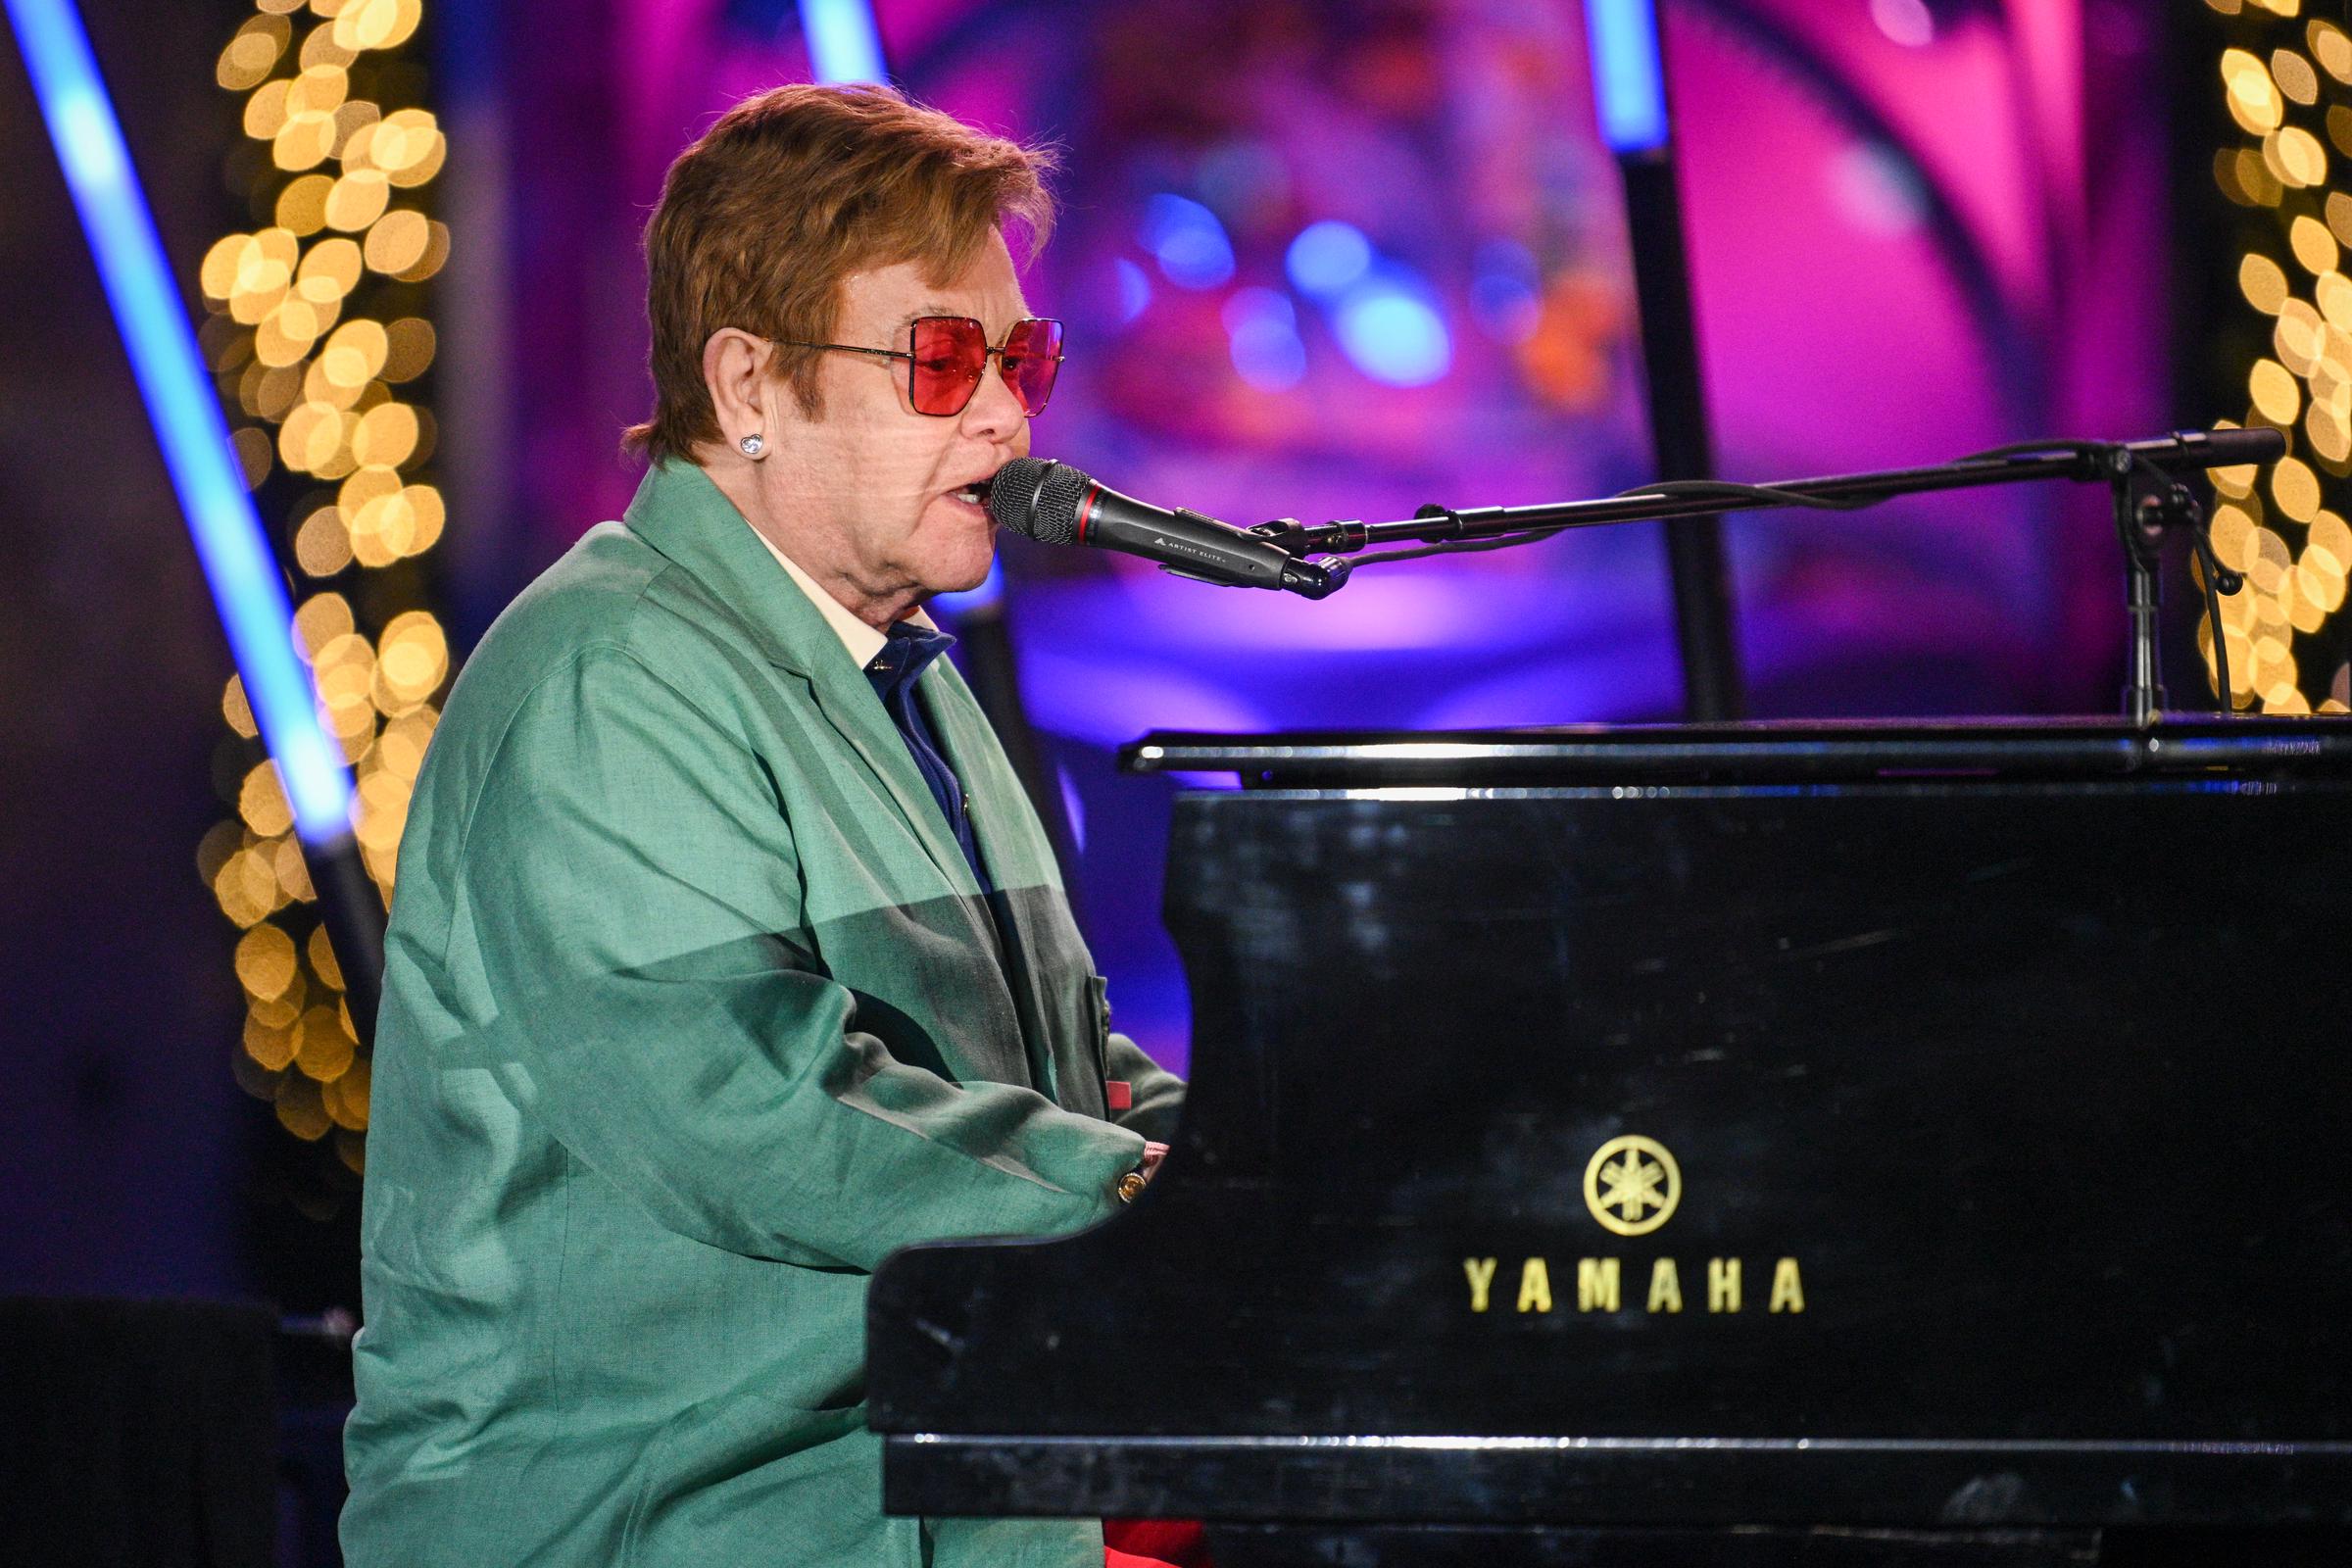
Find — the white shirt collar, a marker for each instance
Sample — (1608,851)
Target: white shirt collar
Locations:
(860,638)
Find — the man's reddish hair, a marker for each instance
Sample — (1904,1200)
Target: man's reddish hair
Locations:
(783,198)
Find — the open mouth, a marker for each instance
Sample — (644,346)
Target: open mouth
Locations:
(975,493)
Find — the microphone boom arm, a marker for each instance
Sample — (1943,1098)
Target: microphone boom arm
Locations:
(2143,477)
(2080,461)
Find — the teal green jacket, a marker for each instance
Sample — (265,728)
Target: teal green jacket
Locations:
(693,1012)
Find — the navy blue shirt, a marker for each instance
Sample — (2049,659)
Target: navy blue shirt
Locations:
(893,671)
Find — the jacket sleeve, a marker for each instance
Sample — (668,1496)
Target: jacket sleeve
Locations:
(1158,1093)
(635,901)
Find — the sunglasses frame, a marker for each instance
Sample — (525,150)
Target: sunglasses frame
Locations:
(987,351)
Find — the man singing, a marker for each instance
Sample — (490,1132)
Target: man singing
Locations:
(728,956)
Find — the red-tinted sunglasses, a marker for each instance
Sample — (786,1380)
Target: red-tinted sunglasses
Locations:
(947,354)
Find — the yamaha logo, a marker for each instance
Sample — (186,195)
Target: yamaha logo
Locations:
(1632,1185)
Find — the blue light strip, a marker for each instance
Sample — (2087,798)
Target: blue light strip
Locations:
(1629,87)
(844,44)
(247,589)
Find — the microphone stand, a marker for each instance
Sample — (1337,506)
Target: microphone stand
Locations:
(2149,501)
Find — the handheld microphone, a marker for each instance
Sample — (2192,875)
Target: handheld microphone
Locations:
(1058,504)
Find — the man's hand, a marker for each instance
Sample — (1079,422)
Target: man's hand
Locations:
(1153,1153)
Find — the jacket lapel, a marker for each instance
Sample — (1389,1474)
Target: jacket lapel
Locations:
(681,514)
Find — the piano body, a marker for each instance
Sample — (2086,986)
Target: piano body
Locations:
(1813,1143)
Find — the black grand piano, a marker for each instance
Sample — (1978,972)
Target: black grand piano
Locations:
(1762,1144)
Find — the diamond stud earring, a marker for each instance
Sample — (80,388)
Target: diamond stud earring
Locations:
(753,446)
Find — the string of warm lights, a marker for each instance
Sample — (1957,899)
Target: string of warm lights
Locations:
(317,334)
(2286,80)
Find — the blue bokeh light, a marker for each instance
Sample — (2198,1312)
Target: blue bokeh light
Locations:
(1506,296)
(1391,329)
(1328,257)
(1135,290)
(1188,241)
(1263,332)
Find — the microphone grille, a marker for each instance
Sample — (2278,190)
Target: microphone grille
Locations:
(1038,498)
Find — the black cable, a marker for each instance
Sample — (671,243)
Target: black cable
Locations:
(2207,562)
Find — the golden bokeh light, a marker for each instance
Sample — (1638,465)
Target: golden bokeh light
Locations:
(400,750)
(410,344)
(355,352)
(364,24)
(324,1047)
(411,661)
(304,140)
(253,52)
(320,47)
(2263,282)
(320,620)
(265,110)
(321,953)
(319,89)
(2332,49)
(300,338)
(246,888)
(2298,336)
(300,1109)
(2333,294)
(323,545)
(2329,536)
(2296,489)
(2278,97)
(346,1095)
(2254,99)
(262,801)
(293,874)
(286,336)
(271,1044)
(2328,428)
(386,436)
(279,1010)
(302,205)
(398,241)
(2301,161)
(2312,245)
(384,808)
(236,709)
(2277,396)
(358,200)
(266,961)
(329,269)
(252,454)
(436,254)
(357,118)
(2296,78)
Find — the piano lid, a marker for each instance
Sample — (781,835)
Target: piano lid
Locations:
(1800,752)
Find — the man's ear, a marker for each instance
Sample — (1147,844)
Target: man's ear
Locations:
(735,375)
